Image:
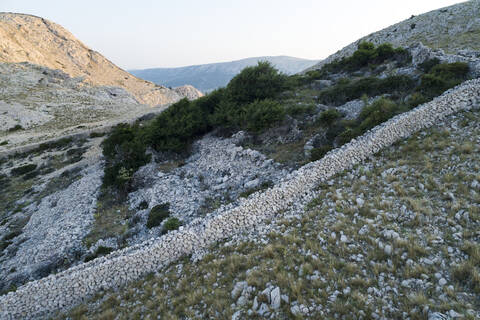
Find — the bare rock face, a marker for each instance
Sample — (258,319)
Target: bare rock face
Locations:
(26,38)
(189,92)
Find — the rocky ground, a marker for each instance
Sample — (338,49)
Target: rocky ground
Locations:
(396,237)
(53,215)
(53,220)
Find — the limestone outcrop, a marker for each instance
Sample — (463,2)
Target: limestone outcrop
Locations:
(26,38)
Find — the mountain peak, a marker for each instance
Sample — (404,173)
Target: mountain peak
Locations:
(27,38)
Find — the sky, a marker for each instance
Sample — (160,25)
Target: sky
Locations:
(146,33)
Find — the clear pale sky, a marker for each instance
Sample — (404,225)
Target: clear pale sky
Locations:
(147,33)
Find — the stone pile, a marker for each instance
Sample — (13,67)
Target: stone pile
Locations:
(56,292)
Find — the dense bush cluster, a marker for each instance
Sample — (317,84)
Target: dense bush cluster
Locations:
(367,55)
(254,101)
(346,90)
(442,77)
(247,103)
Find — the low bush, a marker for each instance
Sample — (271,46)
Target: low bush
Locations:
(265,185)
(345,91)
(142,205)
(318,153)
(416,99)
(299,109)
(101,251)
(18,171)
(442,77)
(261,115)
(58,144)
(378,112)
(427,65)
(365,55)
(256,83)
(17,127)
(97,134)
(171,224)
(175,128)
(372,115)
(328,117)
(124,153)
(158,214)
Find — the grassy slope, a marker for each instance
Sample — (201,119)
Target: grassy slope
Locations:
(419,200)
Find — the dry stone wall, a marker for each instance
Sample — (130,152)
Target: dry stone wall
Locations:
(56,292)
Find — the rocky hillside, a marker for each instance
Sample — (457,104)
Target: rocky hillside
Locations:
(208,77)
(26,38)
(452,29)
(38,104)
(395,238)
(351,191)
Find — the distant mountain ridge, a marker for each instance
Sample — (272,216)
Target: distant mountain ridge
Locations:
(27,38)
(207,77)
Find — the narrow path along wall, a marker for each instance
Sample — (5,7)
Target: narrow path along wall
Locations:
(56,292)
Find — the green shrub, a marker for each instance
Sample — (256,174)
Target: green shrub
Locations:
(427,65)
(261,115)
(172,224)
(30,175)
(17,127)
(124,153)
(328,117)
(265,185)
(97,134)
(300,109)
(175,128)
(451,71)
(23,169)
(246,103)
(372,115)
(441,78)
(256,83)
(318,153)
(347,135)
(365,55)
(158,214)
(58,144)
(378,112)
(101,251)
(345,91)
(416,99)
(143,205)
(4,143)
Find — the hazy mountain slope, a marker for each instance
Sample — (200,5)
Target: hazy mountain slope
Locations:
(452,29)
(38,103)
(207,77)
(26,38)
